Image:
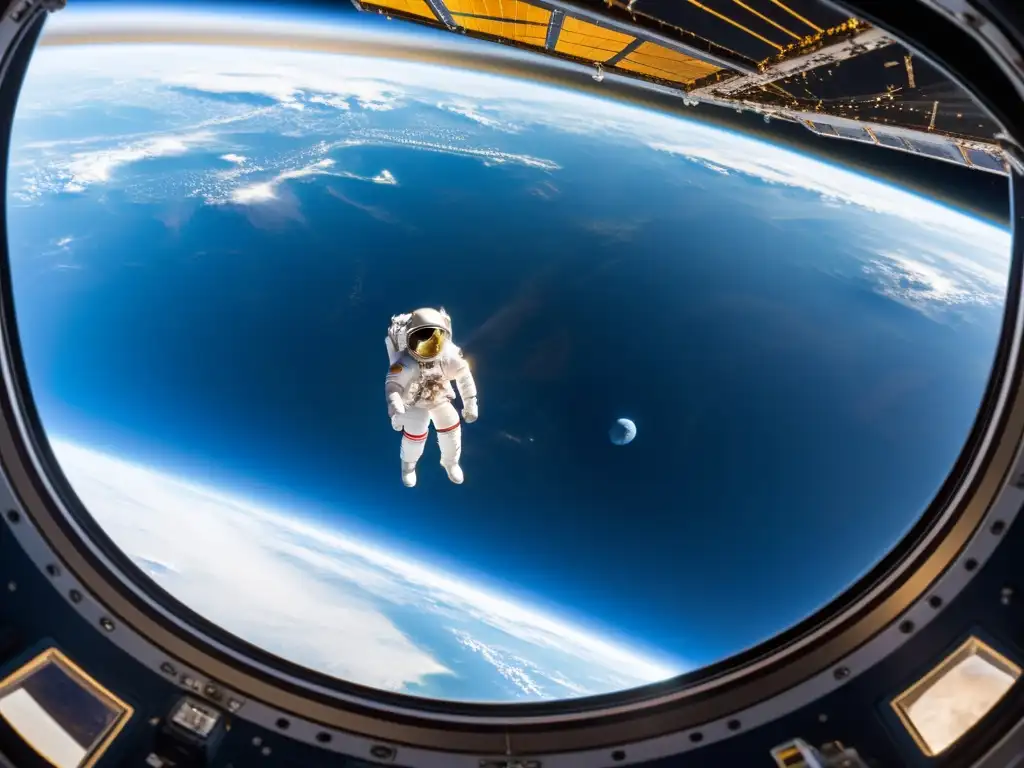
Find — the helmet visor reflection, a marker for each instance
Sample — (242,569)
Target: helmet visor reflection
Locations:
(426,343)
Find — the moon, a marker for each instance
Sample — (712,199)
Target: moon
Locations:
(622,432)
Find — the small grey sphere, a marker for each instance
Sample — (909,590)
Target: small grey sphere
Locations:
(622,432)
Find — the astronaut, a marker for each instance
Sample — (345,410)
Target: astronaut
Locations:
(424,362)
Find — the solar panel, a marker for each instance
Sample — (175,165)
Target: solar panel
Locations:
(934,149)
(780,58)
(412,7)
(985,159)
(824,128)
(509,19)
(889,140)
(589,41)
(853,132)
(657,61)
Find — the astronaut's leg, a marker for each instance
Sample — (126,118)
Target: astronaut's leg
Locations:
(415,423)
(449,439)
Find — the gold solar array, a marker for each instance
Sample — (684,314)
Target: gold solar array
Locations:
(509,19)
(656,61)
(412,7)
(589,41)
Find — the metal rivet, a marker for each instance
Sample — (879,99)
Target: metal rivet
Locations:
(998,527)
(12,586)
(619,755)
(75,595)
(13,515)
(256,741)
(841,673)
(382,752)
(52,570)
(733,725)
(696,737)
(107,624)
(282,723)
(168,669)
(970,564)
(323,737)
(265,751)
(822,718)
(935,601)
(906,626)
(1006,595)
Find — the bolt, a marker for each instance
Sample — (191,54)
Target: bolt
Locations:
(1006,595)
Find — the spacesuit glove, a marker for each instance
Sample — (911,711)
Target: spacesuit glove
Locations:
(396,408)
(470,411)
(395,405)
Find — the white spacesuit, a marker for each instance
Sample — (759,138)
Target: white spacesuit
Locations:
(424,361)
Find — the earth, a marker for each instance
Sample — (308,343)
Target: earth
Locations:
(122,157)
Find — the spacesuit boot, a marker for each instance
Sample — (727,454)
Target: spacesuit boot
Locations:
(408,473)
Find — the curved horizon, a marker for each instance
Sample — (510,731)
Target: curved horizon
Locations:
(82,464)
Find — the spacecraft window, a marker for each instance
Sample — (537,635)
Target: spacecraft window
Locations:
(60,712)
(211,251)
(949,699)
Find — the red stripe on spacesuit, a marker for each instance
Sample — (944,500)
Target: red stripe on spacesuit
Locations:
(449,429)
(414,437)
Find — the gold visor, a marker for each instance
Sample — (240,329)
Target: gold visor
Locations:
(426,343)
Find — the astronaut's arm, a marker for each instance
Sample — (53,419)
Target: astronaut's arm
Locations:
(394,388)
(394,399)
(466,385)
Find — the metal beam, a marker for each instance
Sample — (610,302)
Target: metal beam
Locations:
(864,42)
(624,52)
(636,29)
(443,14)
(554,30)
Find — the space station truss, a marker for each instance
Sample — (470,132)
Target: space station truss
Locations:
(795,60)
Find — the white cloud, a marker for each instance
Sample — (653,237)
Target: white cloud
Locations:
(331,101)
(475,113)
(312,594)
(231,157)
(515,670)
(85,168)
(915,281)
(265,191)
(384,177)
(776,165)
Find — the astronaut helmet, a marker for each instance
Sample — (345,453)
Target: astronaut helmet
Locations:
(427,332)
